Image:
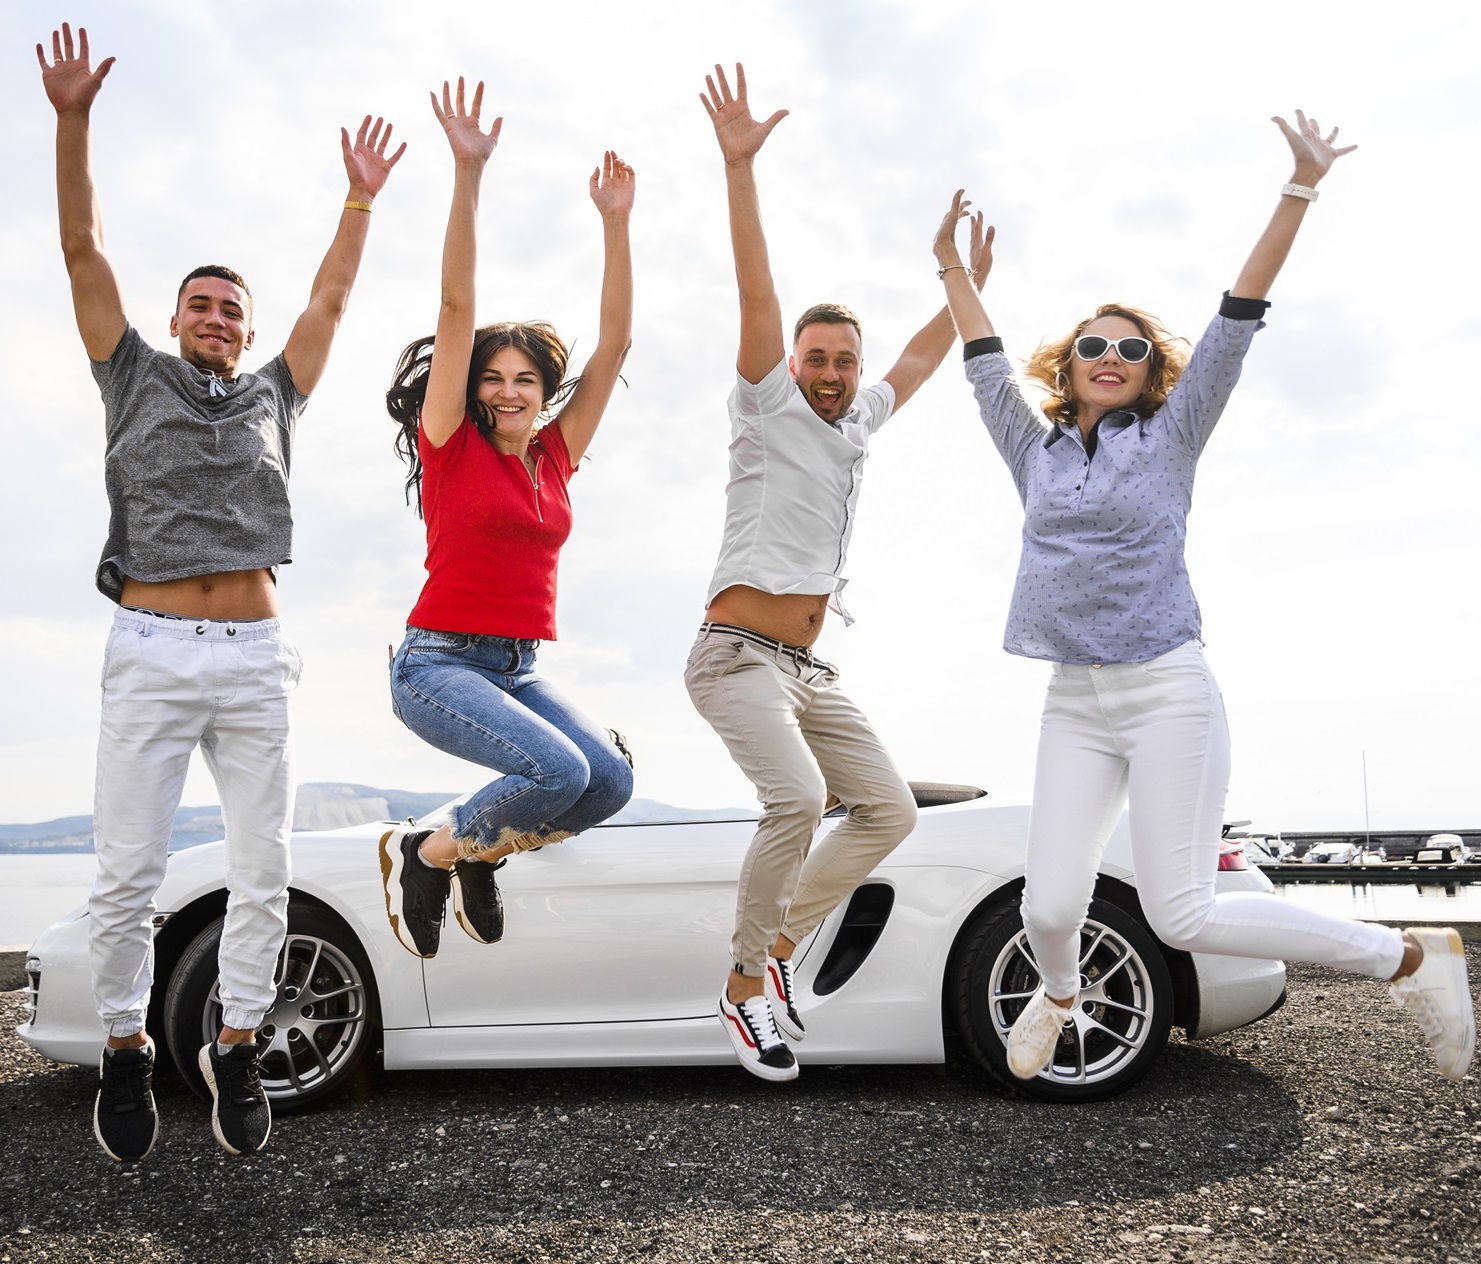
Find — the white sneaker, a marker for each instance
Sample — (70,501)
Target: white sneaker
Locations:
(783,998)
(1032,1040)
(753,1033)
(1438,994)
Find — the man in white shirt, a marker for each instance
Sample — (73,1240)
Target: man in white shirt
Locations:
(800,432)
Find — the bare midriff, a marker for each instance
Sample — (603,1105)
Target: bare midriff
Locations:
(236,595)
(795,618)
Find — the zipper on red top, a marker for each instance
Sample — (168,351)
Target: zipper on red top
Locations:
(535,484)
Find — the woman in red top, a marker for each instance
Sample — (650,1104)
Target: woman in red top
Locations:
(490,481)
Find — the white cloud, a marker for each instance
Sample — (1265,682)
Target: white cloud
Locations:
(1331,542)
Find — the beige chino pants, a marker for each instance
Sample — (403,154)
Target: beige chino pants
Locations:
(796,735)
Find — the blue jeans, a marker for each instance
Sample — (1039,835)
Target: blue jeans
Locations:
(480,698)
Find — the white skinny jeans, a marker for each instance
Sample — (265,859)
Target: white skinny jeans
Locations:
(170,685)
(1154,733)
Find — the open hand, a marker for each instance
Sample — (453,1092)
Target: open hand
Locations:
(944,245)
(70,82)
(365,161)
(740,136)
(467,139)
(613,185)
(1313,152)
(982,238)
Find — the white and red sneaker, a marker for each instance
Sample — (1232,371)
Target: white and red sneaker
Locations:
(752,1029)
(779,991)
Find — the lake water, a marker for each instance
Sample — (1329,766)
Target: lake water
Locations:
(36,890)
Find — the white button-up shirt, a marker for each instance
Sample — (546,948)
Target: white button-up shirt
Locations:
(794,485)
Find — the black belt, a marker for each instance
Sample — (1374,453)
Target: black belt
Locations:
(797,653)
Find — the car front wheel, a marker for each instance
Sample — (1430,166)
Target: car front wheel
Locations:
(319,1032)
(1118,1028)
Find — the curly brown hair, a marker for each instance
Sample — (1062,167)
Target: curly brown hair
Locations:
(536,338)
(1049,366)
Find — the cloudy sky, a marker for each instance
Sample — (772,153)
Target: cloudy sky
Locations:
(1123,153)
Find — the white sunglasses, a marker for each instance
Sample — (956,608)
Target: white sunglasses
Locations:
(1131,350)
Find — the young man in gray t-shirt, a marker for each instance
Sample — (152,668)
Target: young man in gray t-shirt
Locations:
(196,468)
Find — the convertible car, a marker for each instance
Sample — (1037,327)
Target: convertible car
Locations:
(617,944)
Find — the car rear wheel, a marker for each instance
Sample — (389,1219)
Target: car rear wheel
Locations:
(319,1033)
(1118,1028)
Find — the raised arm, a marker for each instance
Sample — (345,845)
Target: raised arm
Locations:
(72,86)
(612,187)
(762,344)
(447,379)
(963,300)
(366,165)
(1314,155)
(923,353)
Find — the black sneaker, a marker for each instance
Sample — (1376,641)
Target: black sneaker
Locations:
(477,904)
(752,1030)
(416,893)
(240,1115)
(783,998)
(124,1119)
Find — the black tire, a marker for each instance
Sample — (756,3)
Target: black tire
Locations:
(1118,1029)
(321,1031)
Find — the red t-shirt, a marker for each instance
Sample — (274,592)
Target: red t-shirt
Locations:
(493,535)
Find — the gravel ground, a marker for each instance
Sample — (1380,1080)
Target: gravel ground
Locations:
(1320,1134)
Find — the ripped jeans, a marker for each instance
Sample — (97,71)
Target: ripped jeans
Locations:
(480,698)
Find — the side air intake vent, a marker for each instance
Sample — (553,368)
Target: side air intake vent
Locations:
(868,910)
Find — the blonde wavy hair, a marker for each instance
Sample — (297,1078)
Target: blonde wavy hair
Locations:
(1049,366)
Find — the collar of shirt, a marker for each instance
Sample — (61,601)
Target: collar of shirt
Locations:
(1117,420)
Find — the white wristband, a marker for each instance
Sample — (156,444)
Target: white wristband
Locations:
(1298,191)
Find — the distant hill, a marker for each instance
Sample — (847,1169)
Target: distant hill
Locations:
(320,805)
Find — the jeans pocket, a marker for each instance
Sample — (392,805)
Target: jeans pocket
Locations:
(1184,663)
(426,641)
(113,635)
(292,663)
(391,683)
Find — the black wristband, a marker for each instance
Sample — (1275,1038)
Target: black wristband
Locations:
(981,347)
(1242,308)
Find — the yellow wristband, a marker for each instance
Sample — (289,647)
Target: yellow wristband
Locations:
(358,206)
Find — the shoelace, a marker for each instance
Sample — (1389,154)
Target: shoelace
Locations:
(244,1081)
(1421,1004)
(784,975)
(1046,1018)
(761,1021)
(125,1087)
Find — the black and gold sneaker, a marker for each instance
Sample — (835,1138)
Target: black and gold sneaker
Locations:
(416,892)
(477,904)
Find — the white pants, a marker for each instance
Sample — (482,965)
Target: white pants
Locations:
(1155,733)
(170,685)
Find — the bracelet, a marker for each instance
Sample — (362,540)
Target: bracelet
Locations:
(1298,191)
(941,272)
(365,206)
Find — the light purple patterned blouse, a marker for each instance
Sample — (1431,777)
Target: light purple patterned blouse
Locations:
(1102,577)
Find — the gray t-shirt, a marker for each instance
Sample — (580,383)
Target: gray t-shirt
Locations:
(196,468)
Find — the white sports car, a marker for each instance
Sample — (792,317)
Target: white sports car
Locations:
(617,944)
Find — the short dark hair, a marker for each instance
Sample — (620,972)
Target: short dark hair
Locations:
(221,273)
(535,338)
(826,314)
